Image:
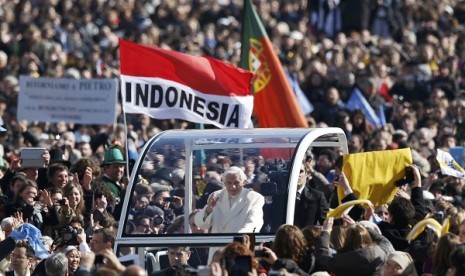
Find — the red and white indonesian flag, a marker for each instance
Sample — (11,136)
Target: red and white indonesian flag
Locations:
(167,84)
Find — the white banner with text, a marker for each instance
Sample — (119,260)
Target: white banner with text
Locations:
(85,101)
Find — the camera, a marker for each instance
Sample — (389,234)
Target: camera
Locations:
(409,177)
(69,235)
(158,220)
(268,244)
(169,199)
(260,253)
(268,188)
(62,202)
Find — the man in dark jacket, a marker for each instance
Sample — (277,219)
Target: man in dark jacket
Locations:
(22,259)
(403,214)
(178,258)
(311,205)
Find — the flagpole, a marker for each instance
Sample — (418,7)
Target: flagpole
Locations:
(126,152)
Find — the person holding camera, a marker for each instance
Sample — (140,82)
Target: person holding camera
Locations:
(155,221)
(404,212)
(163,200)
(237,259)
(274,206)
(32,208)
(288,251)
(74,204)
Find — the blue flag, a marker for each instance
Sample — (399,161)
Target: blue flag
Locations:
(358,101)
(305,105)
(34,236)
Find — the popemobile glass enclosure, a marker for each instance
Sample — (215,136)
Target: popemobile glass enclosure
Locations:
(176,160)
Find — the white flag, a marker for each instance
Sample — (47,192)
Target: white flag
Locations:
(448,165)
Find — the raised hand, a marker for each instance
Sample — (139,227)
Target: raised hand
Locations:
(348,221)
(18,219)
(45,195)
(212,201)
(416,175)
(15,164)
(87,179)
(46,157)
(328,224)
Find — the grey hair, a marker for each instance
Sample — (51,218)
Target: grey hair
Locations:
(56,264)
(46,240)
(8,221)
(234,171)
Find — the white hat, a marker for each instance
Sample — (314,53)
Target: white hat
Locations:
(404,260)
(400,132)
(69,248)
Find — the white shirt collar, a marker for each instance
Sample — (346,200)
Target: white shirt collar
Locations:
(27,274)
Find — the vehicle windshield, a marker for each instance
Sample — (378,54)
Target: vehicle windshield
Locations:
(159,194)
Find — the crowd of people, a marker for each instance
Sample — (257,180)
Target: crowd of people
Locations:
(406,57)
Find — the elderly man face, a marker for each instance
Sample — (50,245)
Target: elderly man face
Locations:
(7,228)
(234,184)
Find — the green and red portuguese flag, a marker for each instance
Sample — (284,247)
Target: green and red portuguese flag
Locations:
(275,104)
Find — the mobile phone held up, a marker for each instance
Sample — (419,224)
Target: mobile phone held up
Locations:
(260,253)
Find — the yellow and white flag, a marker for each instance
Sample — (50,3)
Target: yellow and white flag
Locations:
(448,165)
(421,225)
(344,208)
